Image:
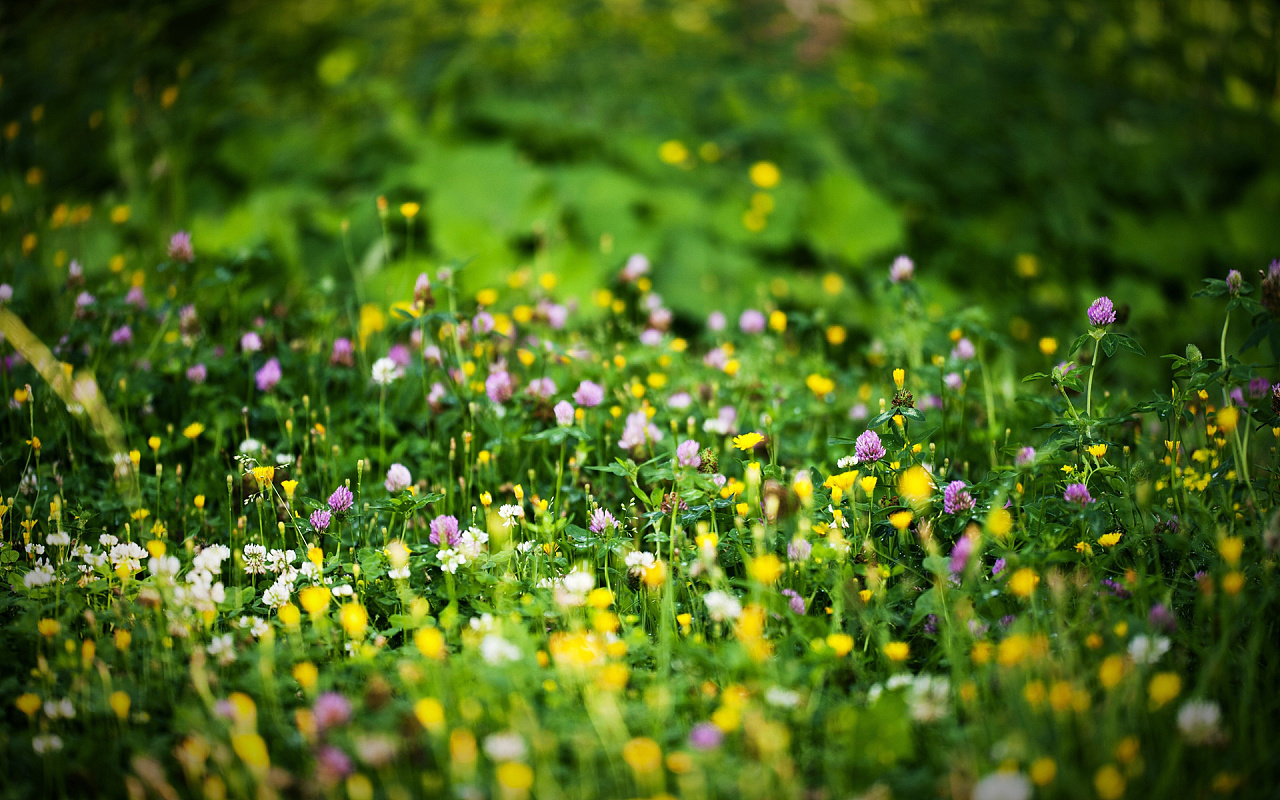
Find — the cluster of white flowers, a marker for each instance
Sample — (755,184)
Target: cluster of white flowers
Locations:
(59,709)
(471,542)
(1148,649)
(164,566)
(451,559)
(58,539)
(127,555)
(1003,786)
(385,370)
(573,588)
(40,575)
(280,562)
(1199,721)
(46,743)
(203,590)
(505,746)
(778,697)
(255,625)
(928,696)
(344,590)
(496,650)
(223,648)
(722,606)
(255,559)
(639,562)
(510,514)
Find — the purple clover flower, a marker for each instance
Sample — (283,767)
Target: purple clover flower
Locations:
(589,394)
(902,269)
(601,520)
(795,601)
(444,529)
(960,554)
(564,413)
(1235,281)
(398,478)
(341,500)
(751,321)
(320,519)
(1077,493)
(180,247)
(955,499)
(269,375)
(687,454)
(799,549)
(331,710)
(1102,312)
(197,373)
(705,736)
(868,447)
(997,567)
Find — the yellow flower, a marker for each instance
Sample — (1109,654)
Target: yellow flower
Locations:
(1228,418)
(643,755)
(1111,671)
(897,651)
(154,442)
(48,627)
(869,484)
(289,614)
(430,642)
(28,703)
(766,568)
(409,210)
(1023,582)
(673,152)
(514,777)
(901,519)
(1084,547)
(899,378)
(1109,783)
(263,476)
(655,575)
(251,749)
(306,674)
(837,334)
(747,441)
(314,599)
(1231,548)
(198,501)
(430,713)
(765,174)
(1043,771)
(289,488)
(915,485)
(840,643)
(1232,583)
(120,702)
(193,430)
(820,386)
(1109,539)
(999,522)
(354,619)
(1164,686)
(1098,450)
(1048,345)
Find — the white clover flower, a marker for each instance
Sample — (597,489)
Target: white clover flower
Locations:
(1199,720)
(46,743)
(385,371)
(399,574)
(496,650)
(1148,649)
(58,539)
(638,562)
(223,648)
(255,559)
(510,514)
(782,698)
(721,606)
(450,559)
(506,746)
(1003,786)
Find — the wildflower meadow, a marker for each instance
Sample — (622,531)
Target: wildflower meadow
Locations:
(390,515)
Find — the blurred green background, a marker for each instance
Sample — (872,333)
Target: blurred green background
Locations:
(1027,154)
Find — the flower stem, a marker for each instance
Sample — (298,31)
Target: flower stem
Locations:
(1093,370)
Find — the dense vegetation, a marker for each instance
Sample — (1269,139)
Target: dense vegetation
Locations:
(529,399)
